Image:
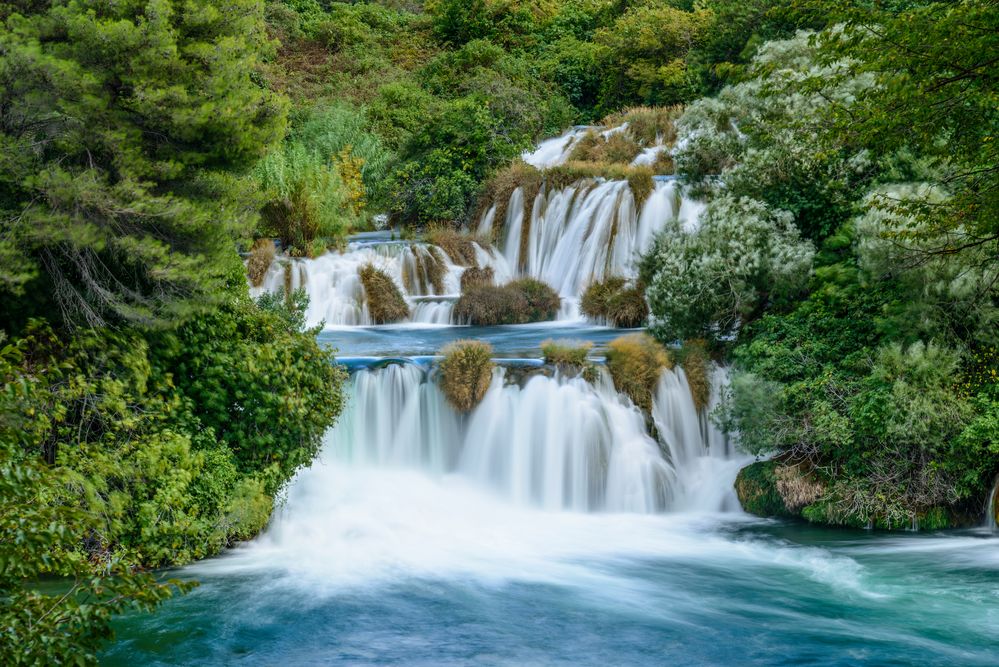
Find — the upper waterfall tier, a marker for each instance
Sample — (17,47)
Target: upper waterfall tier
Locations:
(573,236)
(568,236)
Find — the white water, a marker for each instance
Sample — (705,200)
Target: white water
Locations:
(990,507)
(587,231)
(336,295)
(556,443)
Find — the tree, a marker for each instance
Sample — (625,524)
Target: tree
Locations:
(704,283)
(935,67)
(117,121)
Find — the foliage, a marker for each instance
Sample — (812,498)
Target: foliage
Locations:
(705,283)
(615,302)
(466,371)
(382,296)
(518,302)
(474,276)
(118,121)
(635,363)
(645,53)
(693,357)
(317,186)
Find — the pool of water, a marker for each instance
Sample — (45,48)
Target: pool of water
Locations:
(404,340)
(515,588)
(390,565)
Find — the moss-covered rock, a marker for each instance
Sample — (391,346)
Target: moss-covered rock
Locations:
(756,487)
(385,302)
(466,372)
(570,358)
(635,363)
(778,489)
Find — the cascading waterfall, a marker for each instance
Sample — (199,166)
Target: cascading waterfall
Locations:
(586,232)
(556,443)
(567,237)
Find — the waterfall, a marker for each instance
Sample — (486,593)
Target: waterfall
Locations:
(990,507)
(568,237)
(555,443)
(587,231)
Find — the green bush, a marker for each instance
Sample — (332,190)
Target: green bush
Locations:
(466,372)
(385,301)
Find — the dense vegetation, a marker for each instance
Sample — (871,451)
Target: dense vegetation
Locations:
(149,409)
(847,261)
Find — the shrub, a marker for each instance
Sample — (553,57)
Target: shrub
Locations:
(459,247)
(385,302)
(696,364)
(307,198)
(518,302)
(488,305)
(474,277)
(635,363)
(466,372)
(261,255)
(613,301)
(543,302)
(566,353)
(708,282)
(616,148)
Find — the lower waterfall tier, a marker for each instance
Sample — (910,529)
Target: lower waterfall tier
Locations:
(554,442)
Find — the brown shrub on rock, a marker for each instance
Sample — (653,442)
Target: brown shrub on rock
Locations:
(385,302)
(466,372)
(635,363)
(261,256)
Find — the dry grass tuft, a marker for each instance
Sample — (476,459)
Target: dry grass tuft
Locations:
(616,303)
(635,363)
(261,256)
(466,371)
(618,148)
(459,247)
(696,364)
(385,302)
(474,277)
(648,125)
